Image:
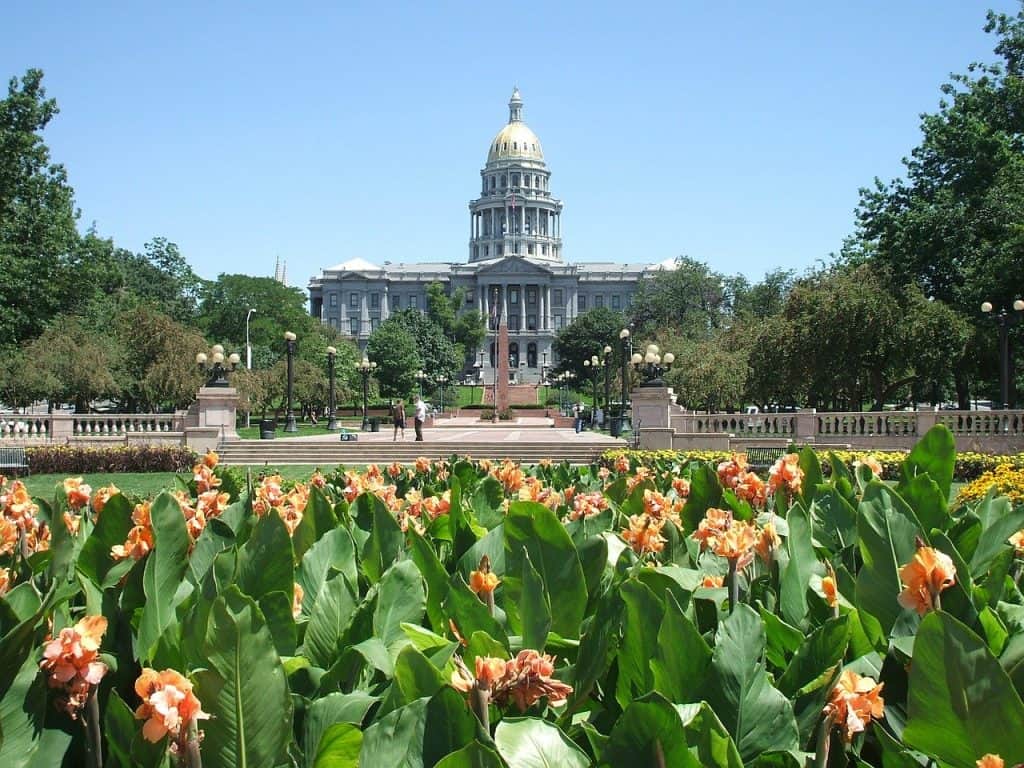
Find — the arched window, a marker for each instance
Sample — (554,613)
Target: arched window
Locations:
(531,355)
(492,355)
(513,355)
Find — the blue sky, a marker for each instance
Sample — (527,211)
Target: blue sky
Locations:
(734,132)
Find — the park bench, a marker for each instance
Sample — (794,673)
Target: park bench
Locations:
(13,460)
(764,456)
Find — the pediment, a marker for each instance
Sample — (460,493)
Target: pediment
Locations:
(513,265)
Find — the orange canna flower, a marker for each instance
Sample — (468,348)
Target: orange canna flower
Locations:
(828,588)
(681,486)
(737,543)
(204,478)
(168,705)
(712,581)
(622,465)
(8,536)
(480,581)
(5,581)
(586,504)
(990,761)
(750,488)
(604,473)
(1017,541)
(422,464)
(395,469)
(786,473)
(639,477)
(77,492)
(767,542)
(136,546)
(730,471)
(644,534)
(657,506)
(853,702)
(490,670)
(72,661)
(715,523)
(872,463)
(924,578)
(510,476)
(317,480)
(211,459)
(297,594)
(101,497)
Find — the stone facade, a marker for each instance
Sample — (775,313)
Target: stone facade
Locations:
(514,270)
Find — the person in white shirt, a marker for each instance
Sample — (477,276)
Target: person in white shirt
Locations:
(421,415)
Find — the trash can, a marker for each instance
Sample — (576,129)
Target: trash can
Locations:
(616,426)
(375,424)
(267,427)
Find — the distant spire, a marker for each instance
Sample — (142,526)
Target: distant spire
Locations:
(284,272)
(515,106)
(277,269)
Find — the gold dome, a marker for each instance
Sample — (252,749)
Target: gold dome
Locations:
(515,141)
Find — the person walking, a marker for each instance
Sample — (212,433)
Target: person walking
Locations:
(398,417)
(420,417)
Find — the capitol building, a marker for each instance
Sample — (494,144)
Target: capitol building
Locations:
(515,270)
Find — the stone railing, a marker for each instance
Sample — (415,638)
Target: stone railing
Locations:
(986,431)
(70,427)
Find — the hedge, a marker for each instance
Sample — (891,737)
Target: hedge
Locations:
(70,459)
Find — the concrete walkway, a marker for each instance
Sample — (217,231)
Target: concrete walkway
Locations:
(475,431)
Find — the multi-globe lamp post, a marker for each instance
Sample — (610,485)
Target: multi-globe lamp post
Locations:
(289,348)
(652,365)
(627,347)
(216,366)
(594,364)
(606,362)
(420,378)
(332,421)
(1004,321)
(365,368)
(442,381)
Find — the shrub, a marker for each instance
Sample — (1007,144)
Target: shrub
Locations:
(71,459)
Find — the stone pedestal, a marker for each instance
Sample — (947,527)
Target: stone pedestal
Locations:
(501,401)
(211,418)
(652,407)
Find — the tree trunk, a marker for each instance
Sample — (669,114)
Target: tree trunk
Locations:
(963,390)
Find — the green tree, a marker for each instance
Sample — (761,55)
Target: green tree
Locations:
(394,350)
(712,374)
(436,353)
(465,327)
(37,215)
(691,299)
(78,363)
(587,336)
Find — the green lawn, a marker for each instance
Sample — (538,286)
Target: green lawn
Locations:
(151,483)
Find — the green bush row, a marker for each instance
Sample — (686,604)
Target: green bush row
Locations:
(70,459)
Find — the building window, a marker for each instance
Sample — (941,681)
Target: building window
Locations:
(513,323)
(559,322)
(487,251)
(501,249)
(515,179)
(414,302)
(476,251)
(494,182)
(599,301)
(513,295)
(531,325)
(353,326)
(504,181)
(529,249)
(616,301)
(396,302)
(353,300)
(531,296)
(557,297)
(469,298)
(334,322)
(526,180)
(531,355)
(374,323)
(544,250)
(374,301)
(581,303)
(334,299)
(513,355)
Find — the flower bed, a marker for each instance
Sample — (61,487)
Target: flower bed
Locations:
(69,459)
(459,613)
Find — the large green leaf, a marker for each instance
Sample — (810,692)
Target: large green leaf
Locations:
(335,550)
(473,755)
(22,714)
(681,657)
(816,659)
(244,690)
(317,520)
(435,576)
(339,747)
(757,715)
(164,571)
(707,738)
(265,563)
(835,520)
(888,530)
(961,704)
(553,554)
(400,598)
(330,709)
(416,676)
(386,538)
(649,732)
(470,615)
(705,491)
(598,645)
(999,522)
(641,623)
(331,615)
(529,742)
(935,454)
(802,563)
(534,607)
(419,734)
(111,529)
(925,497)
(813,477)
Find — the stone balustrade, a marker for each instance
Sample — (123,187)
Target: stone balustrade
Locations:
(75,428)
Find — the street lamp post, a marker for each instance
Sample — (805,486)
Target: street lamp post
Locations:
(248,356)
(442,380)
(365,368)
(479,377)
(332,422)
(289,346)
(626,347)
(1004,321)
(593,364)
(216,367)
(420,378)
(607,364)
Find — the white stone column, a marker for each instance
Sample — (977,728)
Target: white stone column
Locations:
(364,315)
(572,304)
(522,307)
(385,308)
(547,307)
(503,300)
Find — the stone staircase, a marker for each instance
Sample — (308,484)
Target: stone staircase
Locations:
(518,394)
(326,455)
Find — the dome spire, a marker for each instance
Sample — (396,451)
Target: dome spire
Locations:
(515,106)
